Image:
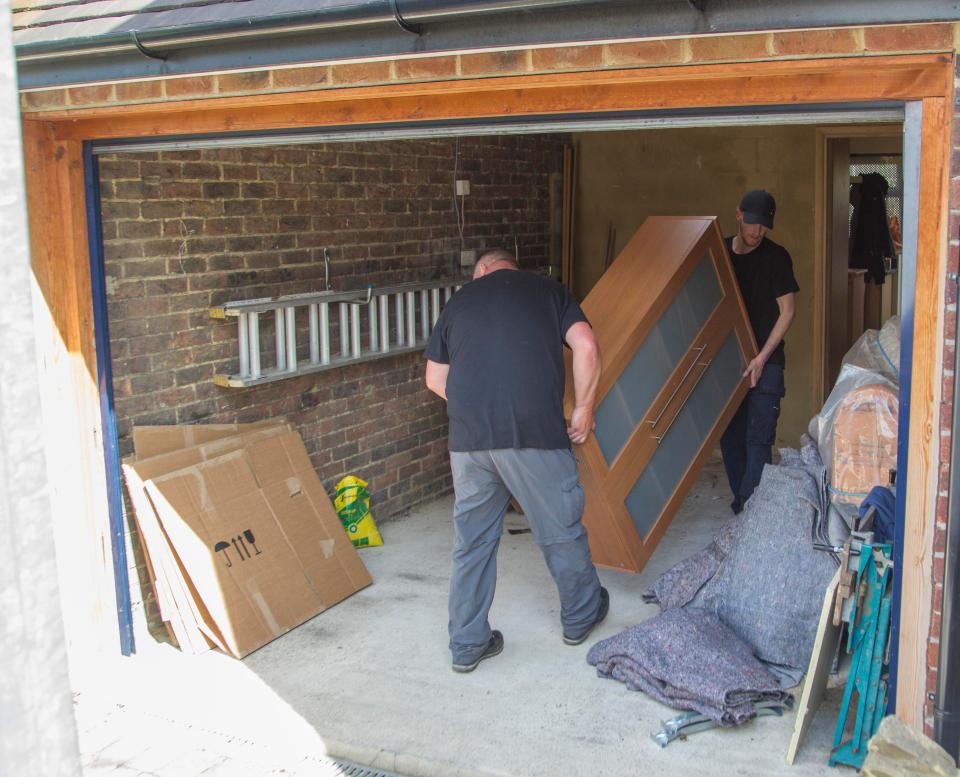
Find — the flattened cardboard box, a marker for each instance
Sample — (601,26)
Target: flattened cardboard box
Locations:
(149,441)
(149,467)
(179,603)
(256,533)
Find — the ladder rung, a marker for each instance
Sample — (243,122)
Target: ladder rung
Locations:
(344,329)
(384,324)
(254,339)
(424,314)
(355,330)
(244,341)
(314,334)
(411,318)
(398,301)
(281,339)
(434,307)
(324,333)
(291,314)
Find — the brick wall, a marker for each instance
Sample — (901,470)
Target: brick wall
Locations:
(946,412)
(187,230)
(639,53)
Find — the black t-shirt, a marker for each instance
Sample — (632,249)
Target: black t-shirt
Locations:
(764,274)
(502,336)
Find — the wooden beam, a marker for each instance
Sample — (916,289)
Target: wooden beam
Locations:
(916,590)
(703,86)
(63,324)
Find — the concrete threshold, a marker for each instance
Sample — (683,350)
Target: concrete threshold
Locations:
(370,681)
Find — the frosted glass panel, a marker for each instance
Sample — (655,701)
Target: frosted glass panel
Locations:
(665,469)
(655,360)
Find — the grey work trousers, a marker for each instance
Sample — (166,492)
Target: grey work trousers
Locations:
(546,483)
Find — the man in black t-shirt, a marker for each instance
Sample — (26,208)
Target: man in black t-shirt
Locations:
(765,276)
(496,356)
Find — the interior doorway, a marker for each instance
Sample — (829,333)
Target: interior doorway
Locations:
(862,207)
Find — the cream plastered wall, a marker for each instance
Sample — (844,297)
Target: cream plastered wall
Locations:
(624,177)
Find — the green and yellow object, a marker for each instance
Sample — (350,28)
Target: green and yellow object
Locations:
(352,503)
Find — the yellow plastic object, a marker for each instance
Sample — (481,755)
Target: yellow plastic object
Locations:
(352,503)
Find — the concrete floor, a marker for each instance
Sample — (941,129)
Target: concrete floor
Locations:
(370,681)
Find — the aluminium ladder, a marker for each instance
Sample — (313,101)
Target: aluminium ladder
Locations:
(303,330)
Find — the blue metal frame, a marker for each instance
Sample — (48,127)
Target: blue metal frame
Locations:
(108,417)
(908,280)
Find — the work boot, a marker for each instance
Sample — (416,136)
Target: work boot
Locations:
(601,614)
(494,648)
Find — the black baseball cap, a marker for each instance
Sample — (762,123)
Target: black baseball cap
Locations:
(758,207)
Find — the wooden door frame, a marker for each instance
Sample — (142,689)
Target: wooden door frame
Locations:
(821,269)
(54,147)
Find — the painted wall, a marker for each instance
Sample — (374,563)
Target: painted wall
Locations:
(37,730)
(624,177)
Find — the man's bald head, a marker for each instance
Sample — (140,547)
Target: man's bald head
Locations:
(498,259)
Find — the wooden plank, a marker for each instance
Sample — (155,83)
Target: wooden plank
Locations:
(916,590)
(931,72)
(764,83)
(62,312)
(818,670)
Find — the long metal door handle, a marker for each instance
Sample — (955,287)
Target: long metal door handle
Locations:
(655,421)
(706,366)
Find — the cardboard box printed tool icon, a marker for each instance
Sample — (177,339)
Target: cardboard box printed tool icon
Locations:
(255,532)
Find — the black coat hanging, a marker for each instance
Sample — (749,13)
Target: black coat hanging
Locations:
(870,239)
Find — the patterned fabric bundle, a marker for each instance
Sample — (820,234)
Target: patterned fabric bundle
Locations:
(738,618)
(687,659)
(680,584)
(769,589)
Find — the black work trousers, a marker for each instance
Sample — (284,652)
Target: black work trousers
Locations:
(747,445)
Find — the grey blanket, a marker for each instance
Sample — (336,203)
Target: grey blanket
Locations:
(688,659)
(679,584)
(769,588)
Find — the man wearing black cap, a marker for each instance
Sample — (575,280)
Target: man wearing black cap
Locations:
(765,276)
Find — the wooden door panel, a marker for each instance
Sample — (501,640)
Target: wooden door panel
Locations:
(674,337)
(647,439)
(658,364)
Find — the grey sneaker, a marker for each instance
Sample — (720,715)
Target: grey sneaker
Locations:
(494,648)
(601,614)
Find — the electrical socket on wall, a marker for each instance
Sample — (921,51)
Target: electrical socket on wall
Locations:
(462,187)
(468,258)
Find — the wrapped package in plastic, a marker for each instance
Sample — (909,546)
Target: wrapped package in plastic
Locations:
(878,350)
(852,378)
(867,390)
(864,442)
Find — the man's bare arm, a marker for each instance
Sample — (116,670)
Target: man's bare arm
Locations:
(788,306)
(586,376)
(436,378)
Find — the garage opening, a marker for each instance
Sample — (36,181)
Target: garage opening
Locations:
(188,226)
